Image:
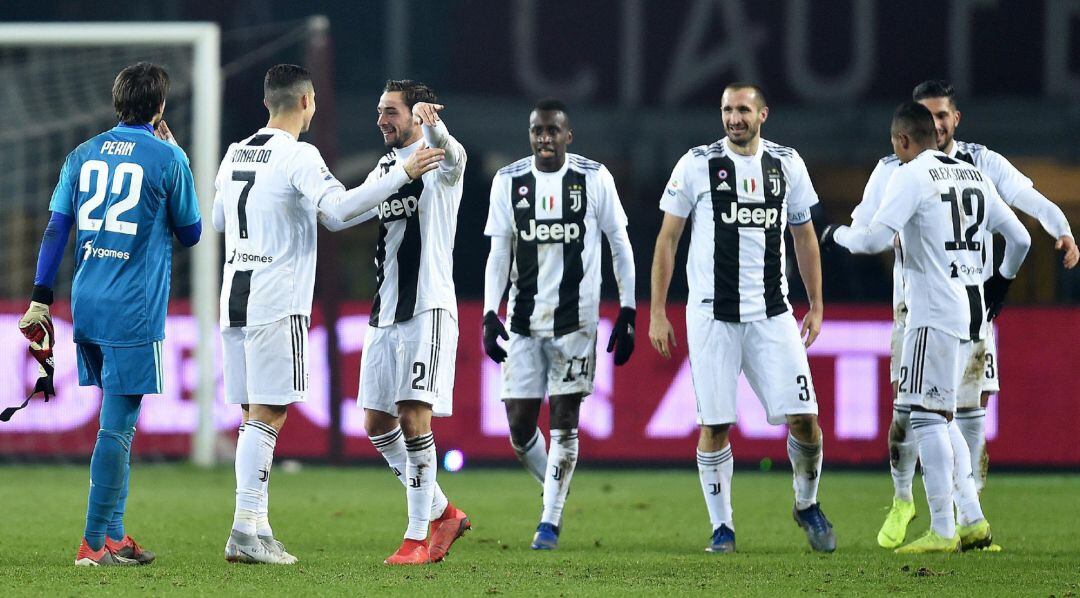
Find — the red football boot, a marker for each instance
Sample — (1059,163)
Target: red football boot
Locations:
(412,552)
(98,558)
(445,530)
(129,549)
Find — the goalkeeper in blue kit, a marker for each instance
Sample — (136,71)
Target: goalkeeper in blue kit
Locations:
(127,191)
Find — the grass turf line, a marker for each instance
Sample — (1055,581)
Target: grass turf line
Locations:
(628,532)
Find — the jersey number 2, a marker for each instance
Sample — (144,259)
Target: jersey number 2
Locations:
(112,215)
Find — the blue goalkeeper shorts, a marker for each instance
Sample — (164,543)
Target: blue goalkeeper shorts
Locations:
(121,370)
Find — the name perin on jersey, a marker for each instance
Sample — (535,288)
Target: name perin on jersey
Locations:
(740,206)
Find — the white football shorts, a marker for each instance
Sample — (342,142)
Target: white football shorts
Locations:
(980,373)
(537,366)
(266,364)
(770,353)
(412,360)
(932,363)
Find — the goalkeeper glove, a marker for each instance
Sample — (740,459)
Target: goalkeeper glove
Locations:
(621,340)
(494,328)
(36,325)
(994,290)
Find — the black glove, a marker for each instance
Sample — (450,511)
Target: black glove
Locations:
(994,290)
(494,328)
(828,238)
(622,335)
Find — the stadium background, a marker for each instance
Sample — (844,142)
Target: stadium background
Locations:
(642,80)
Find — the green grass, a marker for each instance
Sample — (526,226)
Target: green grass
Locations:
(626,532)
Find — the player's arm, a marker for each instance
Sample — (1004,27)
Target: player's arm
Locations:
(437,135)
(1001,220)
(613,221)
(182,203)
(898,205)
(500,229)
(661,333)
(809,259)
(1019,192)
(872,194)
(334,225)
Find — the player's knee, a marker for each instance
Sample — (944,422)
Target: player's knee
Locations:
(415,418)
(803,427)
(271,415)
(714,437)
(984,400)
(565,410)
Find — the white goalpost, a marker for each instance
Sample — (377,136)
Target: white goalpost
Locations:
(74,57)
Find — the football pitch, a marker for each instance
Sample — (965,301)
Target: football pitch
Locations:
(639,532)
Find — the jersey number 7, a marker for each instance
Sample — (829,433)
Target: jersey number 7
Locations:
(248,177)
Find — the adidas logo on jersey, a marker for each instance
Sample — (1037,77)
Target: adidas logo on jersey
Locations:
(723,186)
(754,215)
(552,233)
(398,208)
(522,204)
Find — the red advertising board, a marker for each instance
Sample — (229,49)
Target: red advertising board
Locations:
(642,412)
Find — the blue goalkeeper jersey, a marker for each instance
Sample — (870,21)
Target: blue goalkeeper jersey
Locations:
(127,191)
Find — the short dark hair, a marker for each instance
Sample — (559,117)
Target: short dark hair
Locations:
(411,91)
(934,88)
(914,120)
(139,91)
(551,105)
(743,85)
(284,85)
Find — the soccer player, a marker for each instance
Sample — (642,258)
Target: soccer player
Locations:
(742,191)
(410,348)
(272,190)
(549,210)
(981,379)
(944,210)
(126,191)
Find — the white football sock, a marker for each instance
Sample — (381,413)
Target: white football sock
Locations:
(903,453)
(533,455)
(806,470)
(562,459)
(966,497)
(254,457)
(262,518)
(936,454)
(420,469)
(392,447)
(714,471)
(972,424)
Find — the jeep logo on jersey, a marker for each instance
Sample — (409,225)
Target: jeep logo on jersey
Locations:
(751,215)
(552,233)
(397,208)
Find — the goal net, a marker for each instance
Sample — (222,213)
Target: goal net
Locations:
(57,94)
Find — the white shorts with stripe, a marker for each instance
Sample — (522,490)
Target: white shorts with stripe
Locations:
(770,353)
(414,360)
(266,364)
(932,363)
(980,373)
(896,345)
(538,366)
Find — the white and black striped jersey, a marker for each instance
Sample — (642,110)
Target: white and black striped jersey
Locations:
(268,187)
(417,224)
(739,207)
(555,220)
(944,210)
(1011,185)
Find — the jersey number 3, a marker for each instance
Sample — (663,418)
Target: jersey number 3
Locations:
(112,214)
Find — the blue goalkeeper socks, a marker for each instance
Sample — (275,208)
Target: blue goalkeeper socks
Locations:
(115,530)
(109,464)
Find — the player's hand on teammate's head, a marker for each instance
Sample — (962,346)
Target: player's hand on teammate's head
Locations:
(423,160)
(162,132)
(661,335)
(425,113)
(493,328)
(811,325)
(621,340)
(1067,245)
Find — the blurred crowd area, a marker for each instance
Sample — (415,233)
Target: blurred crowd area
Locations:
(642,80)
